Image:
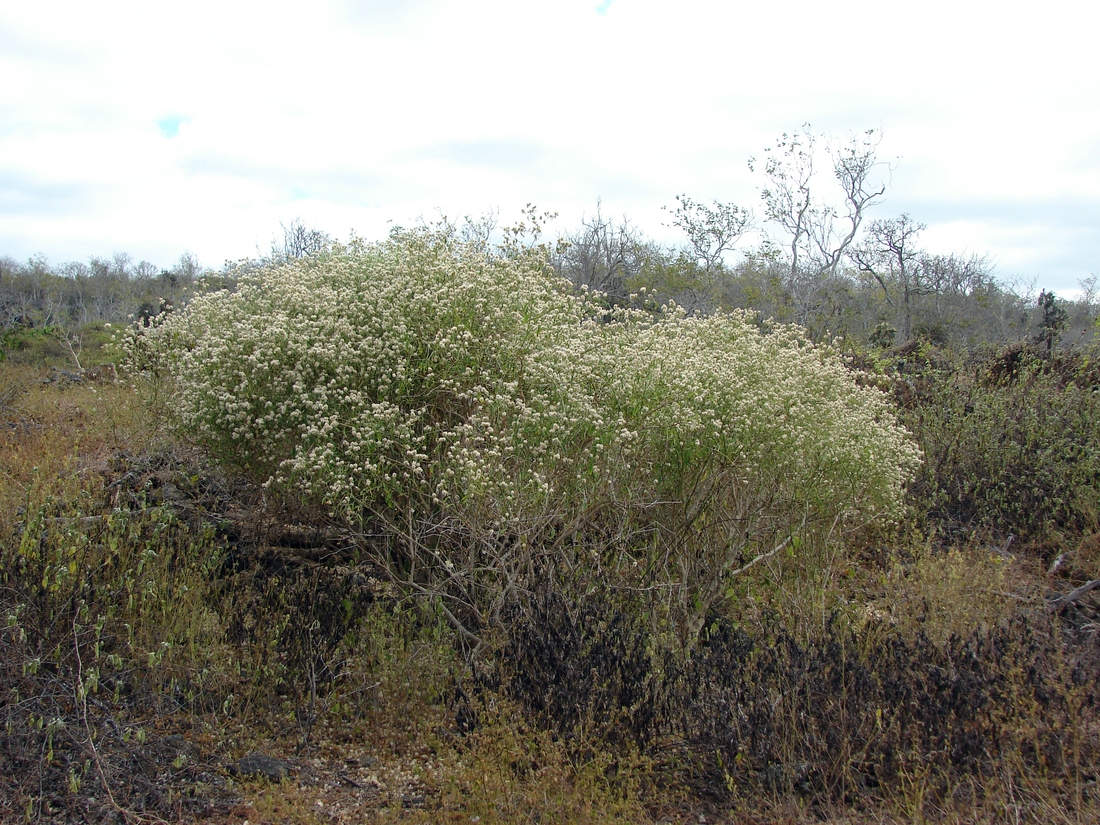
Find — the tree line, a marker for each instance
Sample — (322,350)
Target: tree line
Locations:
(815,256)
(811,253)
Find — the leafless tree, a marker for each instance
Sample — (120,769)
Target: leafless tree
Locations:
(145,270)
(478,232)
(602,255)
(818,234)
(299,241)
(121,266)
(890,257)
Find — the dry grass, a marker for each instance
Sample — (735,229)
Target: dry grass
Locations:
(154,635)
(951,593)
(56,437)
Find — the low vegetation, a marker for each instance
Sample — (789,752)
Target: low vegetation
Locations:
(483,426)
(445,539)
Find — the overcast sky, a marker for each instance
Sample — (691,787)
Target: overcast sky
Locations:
(154,128)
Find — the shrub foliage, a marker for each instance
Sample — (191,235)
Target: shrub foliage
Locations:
(1012,443)
(487,419)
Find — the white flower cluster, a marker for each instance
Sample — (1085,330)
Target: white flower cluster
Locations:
(420,374)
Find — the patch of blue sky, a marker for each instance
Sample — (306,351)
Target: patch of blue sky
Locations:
(170,126)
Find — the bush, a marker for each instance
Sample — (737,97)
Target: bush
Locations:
(87,345)
(487,421)
(838,715)
(37,346)
(1012,446)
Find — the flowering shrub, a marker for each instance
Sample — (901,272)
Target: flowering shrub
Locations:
(420,383)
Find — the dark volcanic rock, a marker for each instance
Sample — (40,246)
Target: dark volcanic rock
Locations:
(259,764)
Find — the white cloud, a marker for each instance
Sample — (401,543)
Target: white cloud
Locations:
(154,128)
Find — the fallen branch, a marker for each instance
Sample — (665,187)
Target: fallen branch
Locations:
(1073,595)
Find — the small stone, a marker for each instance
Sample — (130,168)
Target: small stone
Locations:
(259,764)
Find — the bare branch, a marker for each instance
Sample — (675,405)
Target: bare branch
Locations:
(1073,595)
(762,557)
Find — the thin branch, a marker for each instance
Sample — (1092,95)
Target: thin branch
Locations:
(762,557)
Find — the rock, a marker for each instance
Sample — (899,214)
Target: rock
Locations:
(259,764)
(58,375)
(102,373)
